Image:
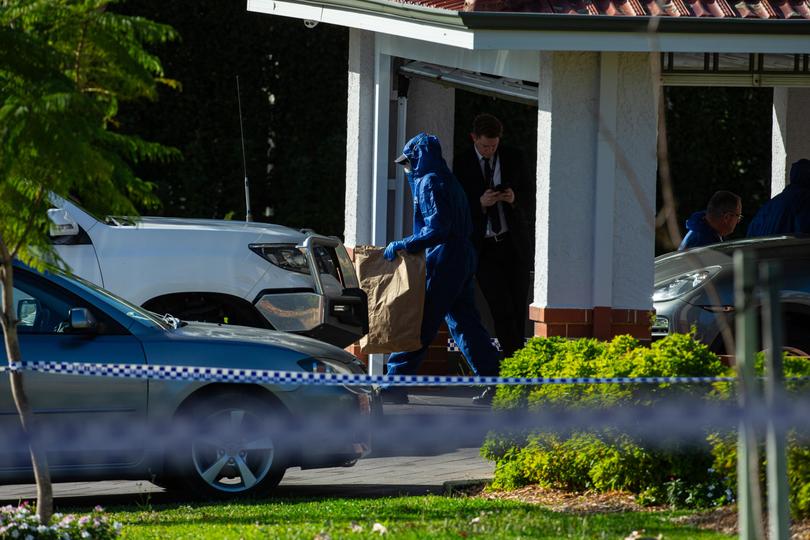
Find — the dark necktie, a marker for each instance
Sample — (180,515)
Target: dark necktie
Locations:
(493,212)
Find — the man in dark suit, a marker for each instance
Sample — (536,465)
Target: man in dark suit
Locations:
(494,178)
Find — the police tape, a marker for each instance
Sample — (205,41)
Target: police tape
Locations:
(452,346)
(237,375)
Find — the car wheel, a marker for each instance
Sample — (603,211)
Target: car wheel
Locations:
(233,447)
(797,342)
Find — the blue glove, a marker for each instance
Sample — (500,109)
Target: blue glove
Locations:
(390,252)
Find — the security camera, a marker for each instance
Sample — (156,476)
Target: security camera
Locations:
(309,23)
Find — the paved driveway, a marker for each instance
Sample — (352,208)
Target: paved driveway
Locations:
(387,476)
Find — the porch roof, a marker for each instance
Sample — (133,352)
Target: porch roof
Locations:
(749,26)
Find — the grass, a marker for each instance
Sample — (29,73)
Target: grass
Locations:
(404,518)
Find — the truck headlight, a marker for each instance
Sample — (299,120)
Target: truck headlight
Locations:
(683,284)
(285,256)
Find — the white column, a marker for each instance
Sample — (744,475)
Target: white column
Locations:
(790,133)
(596,176)
(636,178)
(359,139)
(367,152)
(382,153)
(568,99)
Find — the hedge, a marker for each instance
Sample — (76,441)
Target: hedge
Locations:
(696,474)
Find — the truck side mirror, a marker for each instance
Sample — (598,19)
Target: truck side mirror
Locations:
(61,223)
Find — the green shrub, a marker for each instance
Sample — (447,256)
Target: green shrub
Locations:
(604,460)
(724,446)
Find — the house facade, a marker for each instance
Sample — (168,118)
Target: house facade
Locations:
(594,69)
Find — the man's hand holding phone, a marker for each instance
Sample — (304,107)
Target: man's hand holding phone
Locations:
(505,193)
(499,193)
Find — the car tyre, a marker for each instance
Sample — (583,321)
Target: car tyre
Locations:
(229,445)
(797,342)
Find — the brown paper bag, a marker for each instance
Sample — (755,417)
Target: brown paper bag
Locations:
(396,298)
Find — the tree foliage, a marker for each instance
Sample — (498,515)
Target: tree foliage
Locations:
(293,90)
(718,138)
(65,67)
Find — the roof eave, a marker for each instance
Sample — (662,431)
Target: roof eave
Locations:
(394,9)
(613,23)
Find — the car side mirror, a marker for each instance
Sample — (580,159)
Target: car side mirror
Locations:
(81,319)
(61,223)
(27,310)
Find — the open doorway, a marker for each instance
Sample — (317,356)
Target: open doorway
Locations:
(519,132)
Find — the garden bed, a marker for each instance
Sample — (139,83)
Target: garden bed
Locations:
(722,520)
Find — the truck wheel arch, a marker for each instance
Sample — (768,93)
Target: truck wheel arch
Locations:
(208,307)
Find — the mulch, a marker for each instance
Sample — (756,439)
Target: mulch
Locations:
(723,519)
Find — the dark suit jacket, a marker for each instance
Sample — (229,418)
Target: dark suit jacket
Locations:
(467,169)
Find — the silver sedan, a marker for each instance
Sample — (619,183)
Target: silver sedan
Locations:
(217,438)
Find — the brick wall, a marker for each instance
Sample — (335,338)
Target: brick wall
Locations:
(598,322)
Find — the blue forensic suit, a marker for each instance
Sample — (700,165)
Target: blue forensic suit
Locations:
(788,212)
(700,233)
(442,227)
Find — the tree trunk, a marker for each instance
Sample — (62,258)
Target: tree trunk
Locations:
(39,461)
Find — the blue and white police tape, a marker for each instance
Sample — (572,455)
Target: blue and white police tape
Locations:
(452,346)
(232,375)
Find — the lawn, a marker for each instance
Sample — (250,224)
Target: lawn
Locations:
(403,517)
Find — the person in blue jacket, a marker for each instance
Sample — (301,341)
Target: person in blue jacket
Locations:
(442,227)
(709,226)
(788,212)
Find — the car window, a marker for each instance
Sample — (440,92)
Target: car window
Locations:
(143,316)
(43,308)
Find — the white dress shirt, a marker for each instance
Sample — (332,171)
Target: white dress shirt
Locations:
(495,163)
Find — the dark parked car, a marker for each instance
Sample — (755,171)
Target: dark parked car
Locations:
(208,437)
(695,288)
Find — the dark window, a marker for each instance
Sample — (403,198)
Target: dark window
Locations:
(43,308)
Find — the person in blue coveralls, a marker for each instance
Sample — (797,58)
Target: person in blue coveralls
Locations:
(709,226)
(442,227)
(788,212)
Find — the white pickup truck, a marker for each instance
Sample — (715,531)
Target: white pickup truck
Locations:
(251,274)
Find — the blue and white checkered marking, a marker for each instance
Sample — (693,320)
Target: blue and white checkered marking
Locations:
(232,375)
(452,346)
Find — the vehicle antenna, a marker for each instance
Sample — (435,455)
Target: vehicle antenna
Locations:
(248,215)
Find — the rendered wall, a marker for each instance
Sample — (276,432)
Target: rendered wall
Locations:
(791,133)
(431,109)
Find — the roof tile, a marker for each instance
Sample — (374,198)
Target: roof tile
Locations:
(755,9)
